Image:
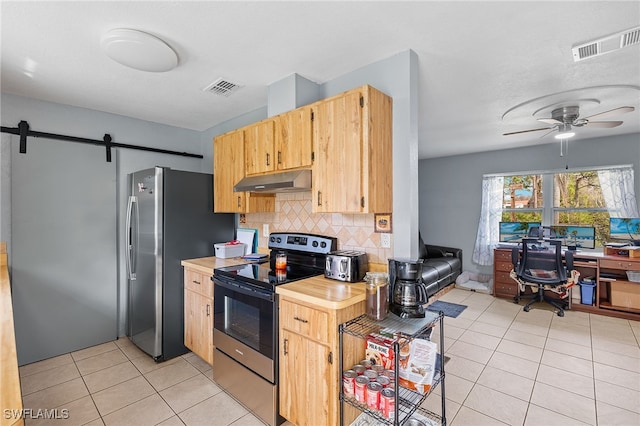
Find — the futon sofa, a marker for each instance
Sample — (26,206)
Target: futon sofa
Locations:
(441,266)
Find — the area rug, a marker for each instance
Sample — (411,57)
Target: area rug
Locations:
(449,309)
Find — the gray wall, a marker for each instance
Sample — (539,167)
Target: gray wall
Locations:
(68,120)
(450,187)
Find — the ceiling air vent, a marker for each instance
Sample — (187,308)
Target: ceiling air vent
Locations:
(222,87)
(606,44)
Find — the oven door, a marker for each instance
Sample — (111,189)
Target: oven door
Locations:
(245,324)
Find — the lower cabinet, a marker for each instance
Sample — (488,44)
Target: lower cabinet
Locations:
(198,314)
(310,379)
(503,284)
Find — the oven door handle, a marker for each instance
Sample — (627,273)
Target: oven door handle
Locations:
(244,289)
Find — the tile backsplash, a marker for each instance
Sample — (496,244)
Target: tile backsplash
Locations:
(293,214)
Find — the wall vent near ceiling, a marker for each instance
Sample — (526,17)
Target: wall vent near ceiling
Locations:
(606,44)
(222,87)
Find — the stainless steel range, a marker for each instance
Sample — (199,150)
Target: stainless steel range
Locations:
(245,330)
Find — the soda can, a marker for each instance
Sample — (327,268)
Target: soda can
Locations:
(388,403)
(371,375)
(361,389)
(349,383)
(377,368)
(359,369)
(373,395)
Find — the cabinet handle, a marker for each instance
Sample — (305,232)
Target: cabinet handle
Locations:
(196,282)
(300,319)
(330,358)
(238,201)
(279,157)
(285,346)
(208,310)
(319,198)
(267,158)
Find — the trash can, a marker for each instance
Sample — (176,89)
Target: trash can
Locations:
(587,292)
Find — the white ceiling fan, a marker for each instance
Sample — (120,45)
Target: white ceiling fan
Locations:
(563,119)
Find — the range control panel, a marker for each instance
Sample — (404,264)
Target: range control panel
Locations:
(309,243)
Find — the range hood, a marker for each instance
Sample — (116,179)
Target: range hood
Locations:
(291,181)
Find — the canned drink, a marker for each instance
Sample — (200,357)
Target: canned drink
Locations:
(367,364)
(361,389)
(377,368)
(373,396)
(383,380)
(371,375)
(359,369)
(388,403)
(349,383)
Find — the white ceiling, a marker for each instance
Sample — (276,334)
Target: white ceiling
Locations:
(476,59)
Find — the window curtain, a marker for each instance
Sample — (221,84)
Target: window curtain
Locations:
(490,215)
(618,192)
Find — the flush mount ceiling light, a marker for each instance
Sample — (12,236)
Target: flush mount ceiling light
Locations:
(139,50)
(565,132)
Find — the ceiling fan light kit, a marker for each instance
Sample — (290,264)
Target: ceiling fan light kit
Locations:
(139,50)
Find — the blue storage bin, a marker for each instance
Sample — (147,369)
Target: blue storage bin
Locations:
(587,293)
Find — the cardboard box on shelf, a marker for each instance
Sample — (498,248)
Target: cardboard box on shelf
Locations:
(625,294)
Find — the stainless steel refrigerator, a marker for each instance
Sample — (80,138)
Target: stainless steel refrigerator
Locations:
(169,218)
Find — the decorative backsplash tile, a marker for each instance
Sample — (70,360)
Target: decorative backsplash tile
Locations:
(293,214)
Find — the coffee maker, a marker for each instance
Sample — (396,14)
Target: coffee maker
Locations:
(407,292)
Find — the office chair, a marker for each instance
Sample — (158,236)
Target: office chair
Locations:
(541,267)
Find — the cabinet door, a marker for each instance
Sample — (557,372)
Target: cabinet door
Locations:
(305,376)
(228,169)
(337,146)
(198,325)
(259,147)
(293,139)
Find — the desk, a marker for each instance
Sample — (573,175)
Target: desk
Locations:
(615,295)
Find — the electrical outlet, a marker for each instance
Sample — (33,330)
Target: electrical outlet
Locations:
(265,230)
(385,240)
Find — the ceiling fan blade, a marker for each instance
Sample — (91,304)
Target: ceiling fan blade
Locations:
(527,131)
(606,124)
(614,111)
(548,133)
(551,121)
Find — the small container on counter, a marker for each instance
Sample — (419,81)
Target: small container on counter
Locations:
(377,295)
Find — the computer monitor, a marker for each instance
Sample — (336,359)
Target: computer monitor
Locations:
(541,232)
(578,236)
(514,232)
(625,229)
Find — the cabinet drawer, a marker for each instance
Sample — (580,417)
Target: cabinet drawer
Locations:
(620,264)
(505,289)
(502,256)
(304,320)
(504,266)
(198,282)
(503,277)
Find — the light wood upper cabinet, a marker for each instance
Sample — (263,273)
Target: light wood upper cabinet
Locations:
(228,170)
(352,144)
(259,147)
(279,143)
(293,139)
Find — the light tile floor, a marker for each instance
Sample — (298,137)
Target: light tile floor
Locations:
(506,367)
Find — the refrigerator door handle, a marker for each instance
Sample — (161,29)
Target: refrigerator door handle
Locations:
(129,259)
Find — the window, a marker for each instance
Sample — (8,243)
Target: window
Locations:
(573,198)
(585,197)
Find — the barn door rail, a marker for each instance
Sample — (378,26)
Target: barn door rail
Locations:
(23,131)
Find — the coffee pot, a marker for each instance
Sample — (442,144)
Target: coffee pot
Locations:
(407,292)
